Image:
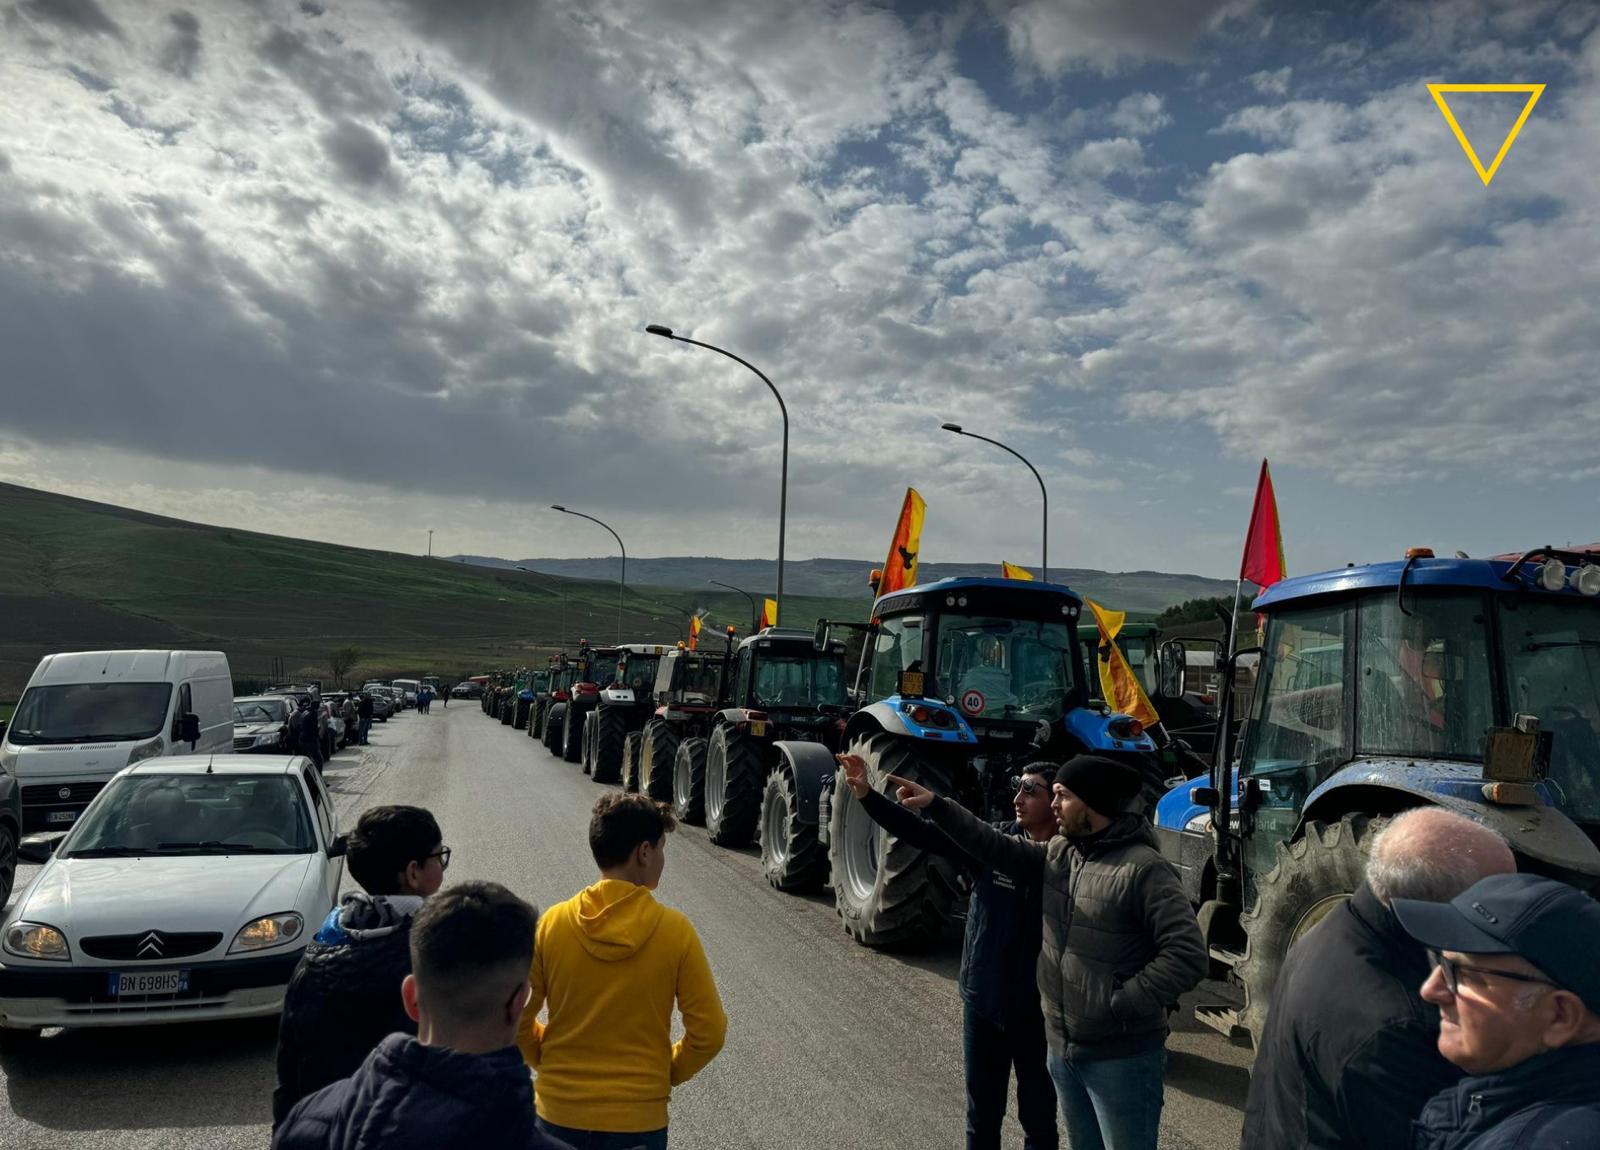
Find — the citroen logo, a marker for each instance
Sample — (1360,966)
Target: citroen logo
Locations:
(149,946)
(64,793)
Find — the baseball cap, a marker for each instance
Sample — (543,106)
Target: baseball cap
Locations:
(1552,925)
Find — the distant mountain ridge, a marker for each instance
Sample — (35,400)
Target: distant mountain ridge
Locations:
(1139,591)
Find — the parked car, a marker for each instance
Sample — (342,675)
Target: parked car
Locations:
(10,832)
(223,867)
(382,703)
(261,724)
(407,690)
(86,715)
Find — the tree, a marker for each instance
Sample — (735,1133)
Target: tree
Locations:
(1194,611)
(341,662)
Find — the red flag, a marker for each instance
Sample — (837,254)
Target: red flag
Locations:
(769,613)
(694,632)
(1263,545)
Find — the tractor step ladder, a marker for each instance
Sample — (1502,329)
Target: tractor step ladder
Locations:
(1223,1019)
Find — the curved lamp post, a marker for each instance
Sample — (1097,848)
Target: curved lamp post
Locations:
(755,613)
(622,582)
(1044,539)
(783,491)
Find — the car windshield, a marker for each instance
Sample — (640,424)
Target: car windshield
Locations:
(194,814)
(641,672)
(798,680)
(1006,668)
(90,713)
(1552,656)
(261,711)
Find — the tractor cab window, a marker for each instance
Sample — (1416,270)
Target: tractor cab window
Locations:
(1423,681)
(798,680)
(1006,668)
(896,647)
(1552,656)
(695,681)
(640,673)
(601,669)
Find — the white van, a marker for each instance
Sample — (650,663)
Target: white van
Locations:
(408,689)
(88,714)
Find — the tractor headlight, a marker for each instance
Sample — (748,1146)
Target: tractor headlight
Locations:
(1552,574)
(1586,579)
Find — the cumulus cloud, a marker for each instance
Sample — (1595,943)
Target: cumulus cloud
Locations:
(1056,35)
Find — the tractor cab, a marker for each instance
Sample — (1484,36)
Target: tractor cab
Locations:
(782,686)
(1469,684)
(691,681)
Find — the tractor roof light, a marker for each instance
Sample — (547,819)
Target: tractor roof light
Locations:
(1586,579)
(1419,552)
(1552,574)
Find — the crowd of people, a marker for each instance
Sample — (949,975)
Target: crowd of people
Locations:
(1451,1004)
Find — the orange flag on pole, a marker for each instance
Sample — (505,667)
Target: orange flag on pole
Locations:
(1263,545)
(769,612)
(900,569)
(1009,571)
(1117,680)
(694,632)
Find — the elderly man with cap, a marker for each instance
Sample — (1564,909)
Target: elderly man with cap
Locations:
(1120,945)
(1517,983)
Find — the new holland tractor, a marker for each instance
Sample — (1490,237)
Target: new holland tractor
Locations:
(689,691)
(624,705)
(1468,684)
(530,684)
(964,681)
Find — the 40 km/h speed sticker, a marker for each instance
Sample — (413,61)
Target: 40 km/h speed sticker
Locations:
(972,702)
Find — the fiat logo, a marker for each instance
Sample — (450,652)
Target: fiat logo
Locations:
(64,793)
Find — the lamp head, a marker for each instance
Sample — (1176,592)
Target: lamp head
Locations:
(557,507)
(955,427)
(660,329)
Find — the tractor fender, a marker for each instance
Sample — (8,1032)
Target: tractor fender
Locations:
(734,715)
(812,765)
(1539,831)
(873,718)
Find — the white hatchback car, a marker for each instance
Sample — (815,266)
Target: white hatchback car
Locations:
(187,890)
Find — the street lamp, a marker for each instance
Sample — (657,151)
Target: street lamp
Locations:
(783,491)
(1044,539)
(622,582)
(755,617)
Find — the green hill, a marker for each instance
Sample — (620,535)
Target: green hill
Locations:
(81,575)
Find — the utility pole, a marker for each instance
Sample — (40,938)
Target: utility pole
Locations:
(430,543)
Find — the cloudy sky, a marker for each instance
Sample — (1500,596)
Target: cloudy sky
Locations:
(349,270)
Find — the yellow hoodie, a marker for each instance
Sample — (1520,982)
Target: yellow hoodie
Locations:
(610,961)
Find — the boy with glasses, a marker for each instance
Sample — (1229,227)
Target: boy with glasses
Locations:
(344,997)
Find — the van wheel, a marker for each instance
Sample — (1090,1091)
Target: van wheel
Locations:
(8,862)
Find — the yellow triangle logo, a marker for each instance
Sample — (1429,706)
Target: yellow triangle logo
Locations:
(1437,91)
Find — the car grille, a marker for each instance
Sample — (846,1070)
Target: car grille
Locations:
(49,794)
(149,945)
(245,743)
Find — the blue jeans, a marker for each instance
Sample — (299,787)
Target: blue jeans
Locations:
(1111,1103)
(605,1140)
(990,1053)
(366,726)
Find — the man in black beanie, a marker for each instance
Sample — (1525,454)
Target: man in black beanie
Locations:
(1120,945)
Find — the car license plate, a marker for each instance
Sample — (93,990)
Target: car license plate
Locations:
(61,817)
(758,728)
(147,982)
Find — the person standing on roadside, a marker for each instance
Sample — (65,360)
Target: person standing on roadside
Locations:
(350,712)
(610,962)
(1349,1055)
(1002,1024)
(364,710)
(1121,945)
(308,731)
(1518,990)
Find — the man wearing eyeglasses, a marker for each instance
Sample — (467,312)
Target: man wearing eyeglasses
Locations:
(1516,979)
(1003,1025)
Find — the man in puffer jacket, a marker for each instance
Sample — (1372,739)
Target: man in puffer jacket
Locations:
(1120,945)
(344,997)
(461,1082)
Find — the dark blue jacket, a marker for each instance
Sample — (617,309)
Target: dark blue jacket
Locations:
(1549,1102)
(407,1096)
(1005,922)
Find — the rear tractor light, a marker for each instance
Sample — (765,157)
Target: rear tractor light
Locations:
(1125,728)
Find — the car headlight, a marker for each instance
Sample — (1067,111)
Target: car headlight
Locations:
(268,930)
(36,940)
(269,740)
(151,750)
(8,762)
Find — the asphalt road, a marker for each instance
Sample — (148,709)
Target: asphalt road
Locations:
(828,1044)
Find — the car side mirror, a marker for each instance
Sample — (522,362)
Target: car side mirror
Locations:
(186,729)
(339,847)
(1174,670)
(37,849)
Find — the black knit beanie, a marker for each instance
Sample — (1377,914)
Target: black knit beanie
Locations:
(1104,785)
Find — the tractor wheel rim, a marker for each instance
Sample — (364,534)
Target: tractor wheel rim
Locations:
(860,849)
(775,832)
(716,779)
(1314,914)
(680,784)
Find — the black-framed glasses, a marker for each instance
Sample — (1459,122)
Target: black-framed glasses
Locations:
(443,855)
(1028,786)
(1451,969)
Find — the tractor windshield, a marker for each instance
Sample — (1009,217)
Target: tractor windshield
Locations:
(1006,668)
(1552,658)
(798,680)
(640,674)
(601,669)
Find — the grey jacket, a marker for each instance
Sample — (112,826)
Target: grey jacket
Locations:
(1121,943)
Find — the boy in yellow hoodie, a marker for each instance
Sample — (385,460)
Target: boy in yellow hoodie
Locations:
(610,962)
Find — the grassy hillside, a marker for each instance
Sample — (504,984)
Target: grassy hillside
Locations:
(80,575)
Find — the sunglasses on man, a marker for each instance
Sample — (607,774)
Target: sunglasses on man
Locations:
(1029,786)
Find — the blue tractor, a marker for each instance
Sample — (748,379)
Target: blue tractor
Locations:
(1470,684)
(961,683)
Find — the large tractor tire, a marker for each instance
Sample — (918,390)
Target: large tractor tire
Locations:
(524,708)
(689,782)
(888,892)
(1312,876)
(535,718)
(586,752)
(610,738)
(631,747)
(734,775)
(791,854)
(552,727)
(572,725)
(508,710)
(655,760)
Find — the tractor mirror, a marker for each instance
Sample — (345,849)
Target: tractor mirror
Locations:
(1206,797)
(1174,670)
(819,641)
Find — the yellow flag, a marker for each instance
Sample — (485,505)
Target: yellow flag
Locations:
(694,632)
(1117,680)
(1007,571)
(900,569)
(769,612)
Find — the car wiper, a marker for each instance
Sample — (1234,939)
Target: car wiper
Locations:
(213,845)
(1550,643)
(107,852)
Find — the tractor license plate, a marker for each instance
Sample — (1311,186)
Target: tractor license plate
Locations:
(147,982)
(758,728)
